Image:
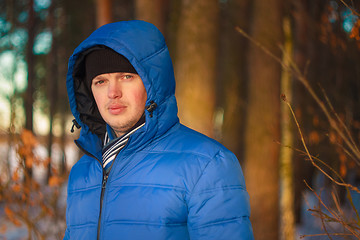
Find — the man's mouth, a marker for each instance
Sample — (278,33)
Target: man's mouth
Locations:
(116,109)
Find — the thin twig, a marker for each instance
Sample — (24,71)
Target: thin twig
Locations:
(321,202)
(311,157)
(346,129)
(349,154)
(332,122)
(351,9)
(262,47)
(342,183)
(336,217)
(295,71)
(322,218)
(337,204)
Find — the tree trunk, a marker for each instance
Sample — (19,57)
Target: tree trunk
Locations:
(195,65)
(30,59)
(103,12)
(263,120)
(64,110)
(303,45)
(6,172)
(29,96)
(52,82)
(6,175)
(154,11)
(287,221)
(232,74)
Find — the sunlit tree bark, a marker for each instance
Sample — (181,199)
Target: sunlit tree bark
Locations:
(103,12)
(263,120)
(154,11)
(195,65)
(232,73)
(287,217)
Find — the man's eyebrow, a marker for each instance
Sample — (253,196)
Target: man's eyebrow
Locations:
(127,73)
(98,77)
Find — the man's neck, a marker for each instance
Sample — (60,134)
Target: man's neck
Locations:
(119,134)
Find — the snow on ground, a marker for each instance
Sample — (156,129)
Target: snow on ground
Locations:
(52,227)
(312,225)
(8,230)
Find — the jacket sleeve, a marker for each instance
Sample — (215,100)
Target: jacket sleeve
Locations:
(67,231)
(66,237)
(219,204)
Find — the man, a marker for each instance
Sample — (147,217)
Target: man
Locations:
(144,175)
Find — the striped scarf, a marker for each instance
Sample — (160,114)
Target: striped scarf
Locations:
(113,145)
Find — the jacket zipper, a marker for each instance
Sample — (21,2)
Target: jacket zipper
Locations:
(103,184)
(103,187)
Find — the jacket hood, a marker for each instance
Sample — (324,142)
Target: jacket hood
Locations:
(144,46)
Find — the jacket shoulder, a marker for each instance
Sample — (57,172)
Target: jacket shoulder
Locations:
(186,140)
(200,156)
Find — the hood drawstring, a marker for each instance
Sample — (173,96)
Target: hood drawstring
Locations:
(150,108)
(76,124)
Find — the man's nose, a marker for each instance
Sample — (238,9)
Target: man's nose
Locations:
(114,90)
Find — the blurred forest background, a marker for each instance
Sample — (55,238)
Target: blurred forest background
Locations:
(233,60)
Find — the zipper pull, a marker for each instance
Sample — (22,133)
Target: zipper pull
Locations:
(105,178)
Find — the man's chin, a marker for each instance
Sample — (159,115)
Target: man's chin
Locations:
(121,129)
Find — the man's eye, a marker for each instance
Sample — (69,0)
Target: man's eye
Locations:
(98,82)
(127,77)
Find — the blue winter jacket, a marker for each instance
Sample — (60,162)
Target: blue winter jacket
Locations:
(169,182)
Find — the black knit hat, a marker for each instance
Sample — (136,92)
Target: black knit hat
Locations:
(105,60)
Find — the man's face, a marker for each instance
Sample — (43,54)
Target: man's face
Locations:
(120,98)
